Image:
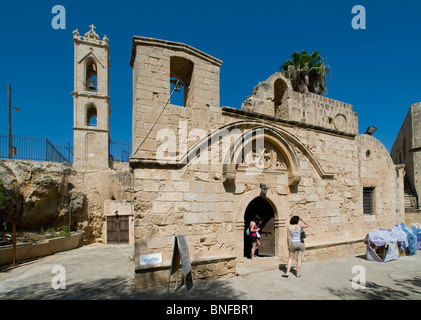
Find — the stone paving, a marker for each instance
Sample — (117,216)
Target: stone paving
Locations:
(98,271)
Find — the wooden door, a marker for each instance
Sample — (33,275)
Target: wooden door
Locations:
(111,229)
(123,229)
(118,229)
(267,239)
(261,207)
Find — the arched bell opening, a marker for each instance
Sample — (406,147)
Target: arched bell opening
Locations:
(91,76)
(91,115)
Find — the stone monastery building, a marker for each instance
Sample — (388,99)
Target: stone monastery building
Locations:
(202,170)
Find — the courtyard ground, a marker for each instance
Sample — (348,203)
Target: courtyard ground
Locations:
(97,272)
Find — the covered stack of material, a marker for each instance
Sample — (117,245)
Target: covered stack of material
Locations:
(401,236)
(381,246)
(417,232)
(385,245)
(412,240)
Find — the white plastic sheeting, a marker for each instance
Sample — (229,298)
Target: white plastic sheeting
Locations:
(383,245)
(400,235)
(381,239)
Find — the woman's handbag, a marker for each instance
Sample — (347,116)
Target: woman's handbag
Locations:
(302,235)
(248,231)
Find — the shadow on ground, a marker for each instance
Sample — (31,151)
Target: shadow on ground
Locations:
(403,289)
(120,289)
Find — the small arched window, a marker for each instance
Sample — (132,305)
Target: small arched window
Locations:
(91,76)
(91,116)
(280,87)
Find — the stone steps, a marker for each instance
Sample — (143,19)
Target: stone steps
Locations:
(410,201)
(260,264)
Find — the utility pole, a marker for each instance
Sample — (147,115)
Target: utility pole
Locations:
(9,89)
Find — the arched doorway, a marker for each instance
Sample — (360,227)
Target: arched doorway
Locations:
(264,209)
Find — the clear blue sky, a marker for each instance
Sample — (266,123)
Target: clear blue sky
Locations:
(376,70)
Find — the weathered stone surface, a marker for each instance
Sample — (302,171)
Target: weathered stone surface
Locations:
(313,162)
(42,194)
(406,150)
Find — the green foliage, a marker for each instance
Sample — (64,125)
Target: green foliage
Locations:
(65,231)
(307,72)
(52,232)
(48,230)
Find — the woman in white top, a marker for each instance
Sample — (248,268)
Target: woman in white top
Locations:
(295,243)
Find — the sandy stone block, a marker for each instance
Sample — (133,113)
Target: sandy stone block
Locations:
(167,186)
(189,197)
(191,218)
(138,232)
(313,198)
(170,196)
(204,217)
(154,242)
(208,206)
(181,186)
(151,185)
(197,187)
(222,206)
(176,218)
(197,206)
(182,206)
(161,174)
(165,207)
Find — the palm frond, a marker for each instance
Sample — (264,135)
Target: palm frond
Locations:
(307,72)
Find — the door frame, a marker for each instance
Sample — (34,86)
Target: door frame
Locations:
(265,217)
(131,228)
(280,205)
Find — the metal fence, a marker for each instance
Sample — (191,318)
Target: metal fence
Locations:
(36,149)
(42,149)
(120,151)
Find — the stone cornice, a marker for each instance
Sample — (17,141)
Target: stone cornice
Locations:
(89,95)
(256,115)
(90,128)
(176,46)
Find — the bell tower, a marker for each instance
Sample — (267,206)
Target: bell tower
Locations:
(91,101)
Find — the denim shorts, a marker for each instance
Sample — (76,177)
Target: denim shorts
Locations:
(297,246)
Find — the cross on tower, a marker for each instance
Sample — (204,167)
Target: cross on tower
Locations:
(92,27)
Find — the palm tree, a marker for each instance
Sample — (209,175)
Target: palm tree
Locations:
(307,72)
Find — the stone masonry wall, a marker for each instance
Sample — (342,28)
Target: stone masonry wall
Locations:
(400,153)
(193,200)
(314,165)
(307,108)
(152,70)
(407,147)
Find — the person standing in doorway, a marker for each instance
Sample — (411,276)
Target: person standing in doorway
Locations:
(254,236)
(295,244)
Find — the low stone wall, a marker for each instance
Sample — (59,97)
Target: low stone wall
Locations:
(222,267)
(329,250)
(153,276)
(29,250)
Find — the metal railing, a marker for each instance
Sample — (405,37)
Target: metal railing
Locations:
(42,149)
(120,151)
(33,148)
